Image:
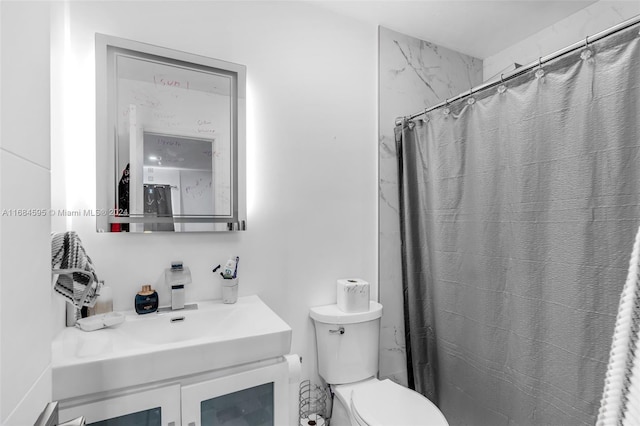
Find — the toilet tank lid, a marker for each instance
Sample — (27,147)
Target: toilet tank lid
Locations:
(331,314)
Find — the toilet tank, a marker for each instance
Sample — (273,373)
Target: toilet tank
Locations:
(347,343)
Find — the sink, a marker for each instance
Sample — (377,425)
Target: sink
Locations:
(160,346)
(171,328)
(209,322)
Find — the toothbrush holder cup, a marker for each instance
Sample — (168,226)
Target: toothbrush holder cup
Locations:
(230,290)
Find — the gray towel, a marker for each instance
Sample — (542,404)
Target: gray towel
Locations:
(77,280)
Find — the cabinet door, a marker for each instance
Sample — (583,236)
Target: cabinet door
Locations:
(256,398)
(154,407)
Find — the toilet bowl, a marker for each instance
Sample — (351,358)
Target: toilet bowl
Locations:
(348,361)
(382,402)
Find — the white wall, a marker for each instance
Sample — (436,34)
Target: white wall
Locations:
(595,18)
(312,178)
(25,295)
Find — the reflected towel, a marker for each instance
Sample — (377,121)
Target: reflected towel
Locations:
(620,403)
(77,280)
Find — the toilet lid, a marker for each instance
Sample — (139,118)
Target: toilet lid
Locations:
(384,402)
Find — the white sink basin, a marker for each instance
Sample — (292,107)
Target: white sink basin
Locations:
(171,328)
(208,322)
(152,347)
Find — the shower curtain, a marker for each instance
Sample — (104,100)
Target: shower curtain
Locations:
(519,206)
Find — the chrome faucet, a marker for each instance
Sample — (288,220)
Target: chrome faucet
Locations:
(177,277)
(177,297)
(177,300)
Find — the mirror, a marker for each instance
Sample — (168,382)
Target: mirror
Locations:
(170,140)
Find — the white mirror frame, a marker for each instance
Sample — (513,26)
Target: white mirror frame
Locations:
(106,167)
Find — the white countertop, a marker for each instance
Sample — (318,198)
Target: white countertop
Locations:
(149,348)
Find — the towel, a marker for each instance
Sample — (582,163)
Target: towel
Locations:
(76,277)
(620,404)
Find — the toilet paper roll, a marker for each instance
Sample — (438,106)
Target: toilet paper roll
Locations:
(353,295)
(312,420)
(295,367)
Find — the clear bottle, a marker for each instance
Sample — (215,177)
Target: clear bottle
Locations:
(104,302)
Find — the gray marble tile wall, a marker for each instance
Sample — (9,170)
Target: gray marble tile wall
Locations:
(413,75)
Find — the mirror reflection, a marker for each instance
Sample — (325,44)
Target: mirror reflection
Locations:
(182,177)
(176,151)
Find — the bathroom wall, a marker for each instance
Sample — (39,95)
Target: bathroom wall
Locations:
(312,157)
(595,18)
(25,295)
(413,74)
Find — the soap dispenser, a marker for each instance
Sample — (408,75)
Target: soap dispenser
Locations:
(146,300)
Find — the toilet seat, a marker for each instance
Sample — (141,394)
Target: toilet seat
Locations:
(384,403)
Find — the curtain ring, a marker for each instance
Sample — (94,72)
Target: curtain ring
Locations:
(470,99)
(586,41)
(446,111)
(539,72)
(501,78)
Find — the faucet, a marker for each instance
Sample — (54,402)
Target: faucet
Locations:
(176,277)
(177,297)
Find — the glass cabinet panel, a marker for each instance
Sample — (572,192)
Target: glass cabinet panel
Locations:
(151,407)
(151,417)
(256,397)
(253,406)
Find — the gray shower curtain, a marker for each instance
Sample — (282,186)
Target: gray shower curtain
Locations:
(518,213)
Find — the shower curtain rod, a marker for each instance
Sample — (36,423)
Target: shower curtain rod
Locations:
(542,60)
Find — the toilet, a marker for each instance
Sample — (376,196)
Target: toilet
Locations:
(348,362)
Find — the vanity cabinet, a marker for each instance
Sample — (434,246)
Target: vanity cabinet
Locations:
(254,396)
(220,364)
